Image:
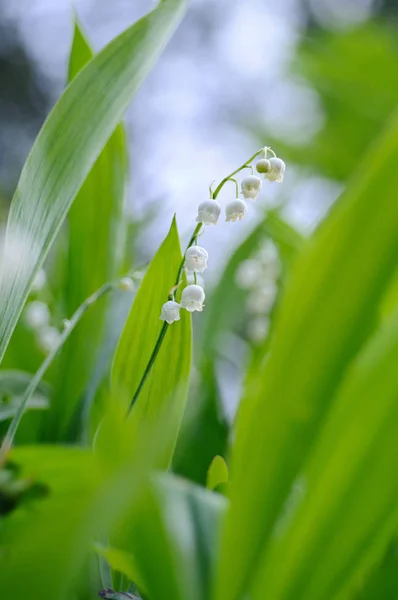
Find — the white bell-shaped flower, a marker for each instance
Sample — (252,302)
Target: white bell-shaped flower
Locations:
(48,338)
(251,186)
(192,298)
(208,212)
(37,314)
(277,170)
(235,210)
(170,312)
(263,166)
(196,259)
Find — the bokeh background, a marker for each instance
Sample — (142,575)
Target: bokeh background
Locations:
(238,74)
(316,80)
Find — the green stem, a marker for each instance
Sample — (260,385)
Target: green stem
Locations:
(244,166)
(162,333)
(72,322)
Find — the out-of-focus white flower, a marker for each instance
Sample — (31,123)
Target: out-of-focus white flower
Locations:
(261,299)
(248,273)
(192,298)
(235,210)
(251,186)
(48,338)
(39,281)
(263,166)
(170,312)
(208,212)
(196,259)
(268,252)
(126,284)
(37,314)
(258,328)
(277,171)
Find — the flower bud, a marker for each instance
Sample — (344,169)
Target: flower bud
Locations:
(263,166)
(235,210)
(192,298)
(196,259)
(277,171)
(126,284)
(208,212)
(170,312)
(251,186)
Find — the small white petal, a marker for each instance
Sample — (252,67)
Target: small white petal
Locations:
(192,298)
(251,186)
(170,312)
(208,212)
(235,210)
(196,259)
(277,171)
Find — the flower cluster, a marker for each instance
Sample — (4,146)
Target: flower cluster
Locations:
(209,211)
(259,275)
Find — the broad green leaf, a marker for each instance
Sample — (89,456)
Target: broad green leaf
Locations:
(326,314)
(217,473)
(94,255)
(343,508)
(173,537)
(42,557)
(205,430)
(165,389)
(67,147)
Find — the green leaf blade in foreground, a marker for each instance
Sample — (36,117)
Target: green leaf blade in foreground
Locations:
(328,310)
(173,537)
(96,234)
(165,390)
(68,145)
(346,511)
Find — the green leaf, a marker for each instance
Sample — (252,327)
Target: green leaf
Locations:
(346,493)
(42,557)
(165,389)
(68,145)
(173,536)
(217,473)
(205,430)
(94,256)
(326,314)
